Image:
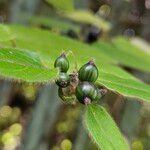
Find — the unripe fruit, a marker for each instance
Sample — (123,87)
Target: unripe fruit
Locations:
(86,93)
(88,72)
(62,63)
(63,80)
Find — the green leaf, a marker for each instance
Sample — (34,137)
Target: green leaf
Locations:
(62,5)
(89,18)
(141,44)
(126,53)
(22,57)
(49,45)
(22,65)
(103,129)
(5,33)
(140,57)
(56,24)
(125,86)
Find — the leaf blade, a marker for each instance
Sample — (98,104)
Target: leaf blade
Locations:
(125,53)
(103,129)
(23,65)
(62,5)
(5,33)
(119,81)
(88,17)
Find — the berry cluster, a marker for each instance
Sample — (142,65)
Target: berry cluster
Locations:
(79,85)
(63,64)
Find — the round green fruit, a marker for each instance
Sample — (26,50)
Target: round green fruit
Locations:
(63,80)
(88,72)
(86,93)
(62,63)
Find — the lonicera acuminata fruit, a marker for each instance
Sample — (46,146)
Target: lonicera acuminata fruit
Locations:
(62,63)
(63,80)
(87,92)
(88,72)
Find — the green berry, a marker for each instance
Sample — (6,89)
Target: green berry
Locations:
(86,93)
(62,63)
(63,80)
(88,72)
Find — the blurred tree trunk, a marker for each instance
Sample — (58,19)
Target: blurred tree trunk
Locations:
(119,14)
(20,7)
(130,118)
(94,5)
(81,139)
(146,25)
(5,92)
(82,4)
(43,117)
(4,7)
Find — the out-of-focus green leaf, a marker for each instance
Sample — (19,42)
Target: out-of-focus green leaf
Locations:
(125,45)
(62,5)
(127,54)
(89,18)
(53,23)
(103,129)
(5,33)
(49,46)
(22,65)
(141,44)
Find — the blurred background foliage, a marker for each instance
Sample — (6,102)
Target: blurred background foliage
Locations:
(28,119)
